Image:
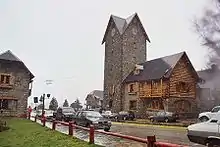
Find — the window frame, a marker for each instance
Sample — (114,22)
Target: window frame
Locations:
(133,105)
(4,77)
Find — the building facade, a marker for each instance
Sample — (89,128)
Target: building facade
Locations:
(208,88)
(94,99)
(125,46)
(167,83)
(15,85)
(133,83)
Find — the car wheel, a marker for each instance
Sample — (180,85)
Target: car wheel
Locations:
(214,143)
(204,119)
(166,120)
(151,120)
(106,129)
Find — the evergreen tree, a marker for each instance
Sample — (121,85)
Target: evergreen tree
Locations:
(65,104)
(76,105)
(53,104)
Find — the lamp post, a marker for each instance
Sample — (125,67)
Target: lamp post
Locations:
(42,98)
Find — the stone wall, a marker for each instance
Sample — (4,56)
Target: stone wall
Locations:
(122,52)
(20,89)
(112,69)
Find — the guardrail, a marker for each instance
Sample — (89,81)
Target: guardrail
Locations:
(150,141)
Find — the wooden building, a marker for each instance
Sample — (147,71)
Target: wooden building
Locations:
(167,83)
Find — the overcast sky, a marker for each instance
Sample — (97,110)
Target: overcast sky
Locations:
(60,40)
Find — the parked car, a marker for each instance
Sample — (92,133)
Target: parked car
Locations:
(164,116)
(125,115)
(109,115)
(49,115)
(206,133)
(86,118)
(64,114)
(205,116)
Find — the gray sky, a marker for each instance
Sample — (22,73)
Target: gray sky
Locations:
(61,40)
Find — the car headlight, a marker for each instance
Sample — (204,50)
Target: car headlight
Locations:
(95,122)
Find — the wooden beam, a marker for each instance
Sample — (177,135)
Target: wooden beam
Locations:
(8,98)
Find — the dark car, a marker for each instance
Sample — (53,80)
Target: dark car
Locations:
(64,114)
(125,115)
(164,116)
(87,118)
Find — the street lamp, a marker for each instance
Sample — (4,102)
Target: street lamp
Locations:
(42,98)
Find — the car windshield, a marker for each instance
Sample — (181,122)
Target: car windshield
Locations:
(68,110)
(93,114)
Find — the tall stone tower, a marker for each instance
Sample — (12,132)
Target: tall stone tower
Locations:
(125,46)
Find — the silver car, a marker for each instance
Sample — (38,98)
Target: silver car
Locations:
(206,133)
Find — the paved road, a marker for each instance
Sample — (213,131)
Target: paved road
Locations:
(163,133)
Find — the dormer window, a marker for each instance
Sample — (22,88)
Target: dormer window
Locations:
(136,71)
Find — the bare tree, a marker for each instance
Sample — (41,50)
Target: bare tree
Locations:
(208,28)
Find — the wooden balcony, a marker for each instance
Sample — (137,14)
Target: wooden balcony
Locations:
(150,93)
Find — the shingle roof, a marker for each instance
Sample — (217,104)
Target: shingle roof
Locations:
(156,68)
(97,93)
(122,24)
(9,56)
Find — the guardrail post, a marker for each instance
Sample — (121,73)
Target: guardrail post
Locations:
(91,134)
(35,119)
(29,115)
(150,141)
(54,125)
(44,121)
(71,128)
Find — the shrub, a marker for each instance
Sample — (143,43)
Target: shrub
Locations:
(3,125)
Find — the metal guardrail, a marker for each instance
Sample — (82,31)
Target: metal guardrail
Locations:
(150,140)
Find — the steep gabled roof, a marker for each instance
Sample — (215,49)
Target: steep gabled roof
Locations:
(97,93)
(122,24)
(156,68)
(9,56)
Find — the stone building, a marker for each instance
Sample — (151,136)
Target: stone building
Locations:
(15,85)
(209,88)
(133,83)
(125,45)
(94,99)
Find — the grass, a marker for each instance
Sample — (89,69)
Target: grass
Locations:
(24,133)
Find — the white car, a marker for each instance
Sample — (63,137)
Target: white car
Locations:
(205,116)
(206,133)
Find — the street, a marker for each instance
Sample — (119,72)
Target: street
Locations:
(169,134)
(175,135)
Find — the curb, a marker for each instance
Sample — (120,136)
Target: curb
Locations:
(151,125)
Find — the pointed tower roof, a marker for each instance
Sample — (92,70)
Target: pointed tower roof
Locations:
(9,56)
(122,24)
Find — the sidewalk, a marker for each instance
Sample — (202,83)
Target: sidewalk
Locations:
(179,123)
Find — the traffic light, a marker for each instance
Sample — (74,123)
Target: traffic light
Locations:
(35,99)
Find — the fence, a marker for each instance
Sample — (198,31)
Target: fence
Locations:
(150,141)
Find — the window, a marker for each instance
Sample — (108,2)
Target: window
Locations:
(156,104)
(131,88)
(133,105)
(154,84)
(182,87)
(110,103)
(141,85)
(5,79)
(136,71)
(216,109)
(4,104)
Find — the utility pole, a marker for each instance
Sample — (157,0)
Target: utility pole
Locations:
(43,101)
